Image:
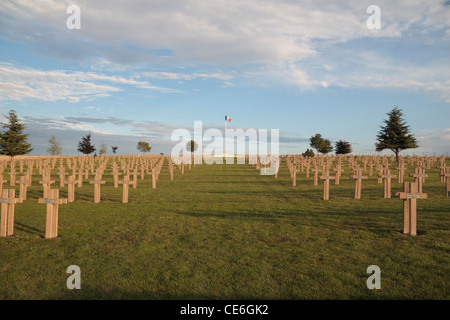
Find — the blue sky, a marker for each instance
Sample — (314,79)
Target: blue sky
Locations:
(138,70)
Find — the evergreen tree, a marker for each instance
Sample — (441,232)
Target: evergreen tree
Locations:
(308,153)
(343,147)
(85,146)
(395,134)
(13,141)
(55,148)
(192,146)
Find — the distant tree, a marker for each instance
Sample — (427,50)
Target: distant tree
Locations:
(342,147)
(395,134)
(143,146)
(13,141)
(192,146)
(320,144)
(114,149)
(55,148)
(85,146)
(308,153)
(103,149)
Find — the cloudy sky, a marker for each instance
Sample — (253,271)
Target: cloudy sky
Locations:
(138,70)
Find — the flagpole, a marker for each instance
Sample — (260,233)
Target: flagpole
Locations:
(225,141)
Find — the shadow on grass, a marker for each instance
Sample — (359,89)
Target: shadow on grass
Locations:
(110,293)
(27,229)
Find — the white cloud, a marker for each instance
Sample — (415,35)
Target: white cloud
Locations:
(24,83)
(433,141)
(278,40)
(231,31)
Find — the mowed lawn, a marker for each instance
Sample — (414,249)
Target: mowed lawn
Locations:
(226,232)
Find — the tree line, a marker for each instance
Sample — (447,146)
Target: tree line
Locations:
(14,142)
(394,135)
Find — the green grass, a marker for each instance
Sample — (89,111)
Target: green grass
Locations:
(226,232)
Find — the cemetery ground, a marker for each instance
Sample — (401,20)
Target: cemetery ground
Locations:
(227,232)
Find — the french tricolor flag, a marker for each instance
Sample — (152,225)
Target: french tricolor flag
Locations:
(227,118)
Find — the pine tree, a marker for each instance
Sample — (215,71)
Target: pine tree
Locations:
(13,141)
(395,134)
(308,153)
(343,147)
(192,146)
(55,148)
(85,146)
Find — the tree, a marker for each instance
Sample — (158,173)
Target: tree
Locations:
(13,141)
(103,150)
(114,149)
(85,146)
(55,148)
(192,146)
(395,134)
(308,153)
(143,146)
(320,144)
(342,147)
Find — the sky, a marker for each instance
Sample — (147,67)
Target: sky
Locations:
(139,70)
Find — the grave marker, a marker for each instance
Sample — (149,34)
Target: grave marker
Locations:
(419,177)
(71,188)
(387,176)
(52,201)
(358,182)
(23,187)
(97,183)
(8,201)
(326,185)
(126,182)
(409,196)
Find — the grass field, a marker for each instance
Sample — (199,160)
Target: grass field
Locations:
(226,232)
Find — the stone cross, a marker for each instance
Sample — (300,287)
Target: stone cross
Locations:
(294,176)
(116,174)
(71,188)
(326,184)
(419,177)
(52,201)
(401,171)
(154,177)
(62,176)
(134,174)
(97,183)
(46,183)
(80,179)
(447,177)
(387,176)
(126,182)
(316,175)
(8,201)
(409,196)
(338,170)
(171,171)
(358,184)
(12,181)
(23,187)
